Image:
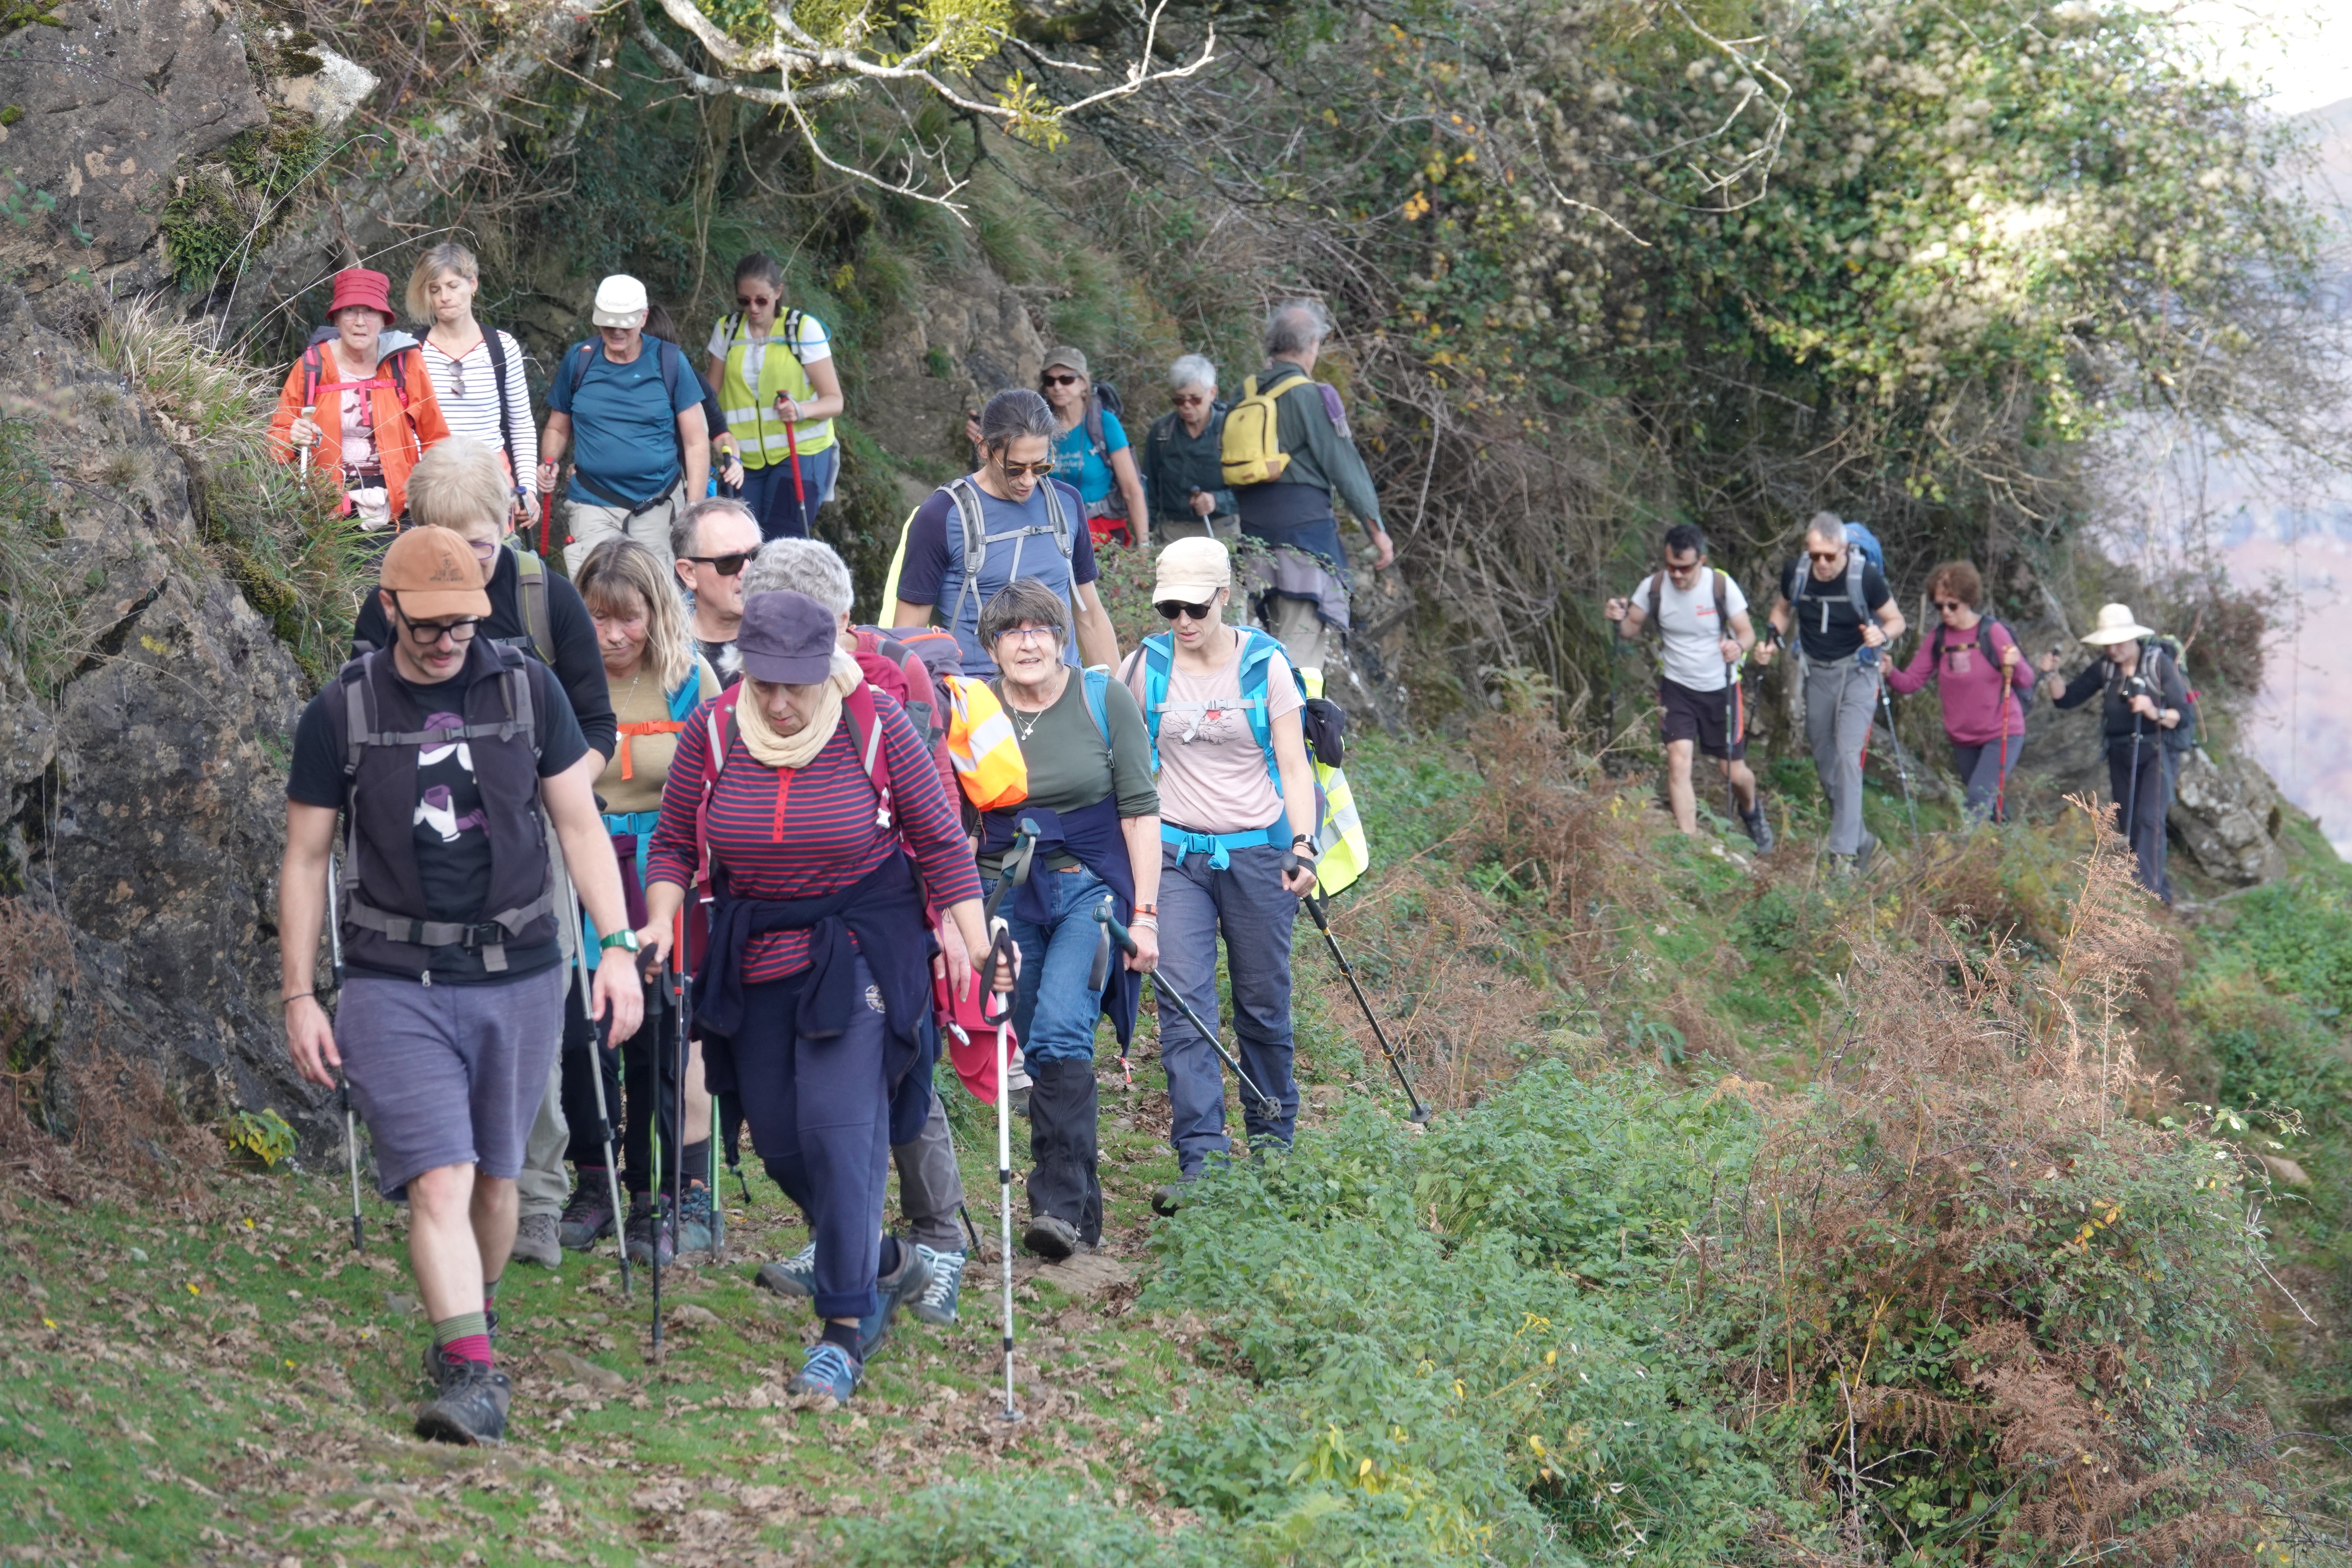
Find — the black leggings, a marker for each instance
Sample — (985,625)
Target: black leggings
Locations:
(635,1060)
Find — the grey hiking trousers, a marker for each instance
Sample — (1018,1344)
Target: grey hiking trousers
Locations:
(1840,700)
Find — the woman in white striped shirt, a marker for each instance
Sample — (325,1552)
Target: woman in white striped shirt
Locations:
(477,373)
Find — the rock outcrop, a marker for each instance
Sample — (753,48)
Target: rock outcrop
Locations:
(146,786)
(2228,812)
(102,110)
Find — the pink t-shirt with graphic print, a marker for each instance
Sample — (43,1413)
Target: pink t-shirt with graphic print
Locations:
(1213,772)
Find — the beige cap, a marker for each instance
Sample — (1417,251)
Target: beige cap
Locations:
(434,572)
(1191,570)
(620,302)
(1068,358)
(2115,624)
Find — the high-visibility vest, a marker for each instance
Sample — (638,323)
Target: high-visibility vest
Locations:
(1341,852)
(759,434)
(983,748)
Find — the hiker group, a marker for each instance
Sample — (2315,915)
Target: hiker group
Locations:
(1832,601)
(616,861)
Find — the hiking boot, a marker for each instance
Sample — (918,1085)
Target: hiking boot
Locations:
(535,1241)
(1758,829)
(695,1231)
(828,1370)
(937,1304)
(588,1217)
(1167,1200)
(1862,856)
(913,1277)
(471,1405)
(1051,1237)
(796,1276)
(644,1234)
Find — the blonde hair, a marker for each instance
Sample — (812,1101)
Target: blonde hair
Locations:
(446,257)
(459,484)
(621,575)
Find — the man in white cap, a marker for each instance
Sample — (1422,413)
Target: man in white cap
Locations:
(2141,721)
(630,413)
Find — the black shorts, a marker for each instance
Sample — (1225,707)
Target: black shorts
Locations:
(1687,715)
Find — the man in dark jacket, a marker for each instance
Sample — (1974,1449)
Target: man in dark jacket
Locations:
(2146,703)
(448,755)
(1306,598)
(1182,463)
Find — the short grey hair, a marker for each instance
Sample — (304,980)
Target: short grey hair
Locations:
(802,566)
(1828,528)
(1013,413)
(687,523)
(1296,326)
(1193,370)
(1024,599)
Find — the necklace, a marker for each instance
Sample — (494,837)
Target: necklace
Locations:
(1023,731)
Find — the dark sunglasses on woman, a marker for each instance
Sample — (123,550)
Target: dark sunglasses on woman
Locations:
(1171,609)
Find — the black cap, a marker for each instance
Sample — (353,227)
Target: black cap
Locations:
(787,638)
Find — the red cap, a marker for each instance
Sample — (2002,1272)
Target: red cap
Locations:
(359,285)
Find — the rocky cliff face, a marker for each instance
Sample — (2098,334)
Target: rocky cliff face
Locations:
(145,794)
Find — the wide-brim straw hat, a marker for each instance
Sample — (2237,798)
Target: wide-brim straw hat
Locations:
(2115,625)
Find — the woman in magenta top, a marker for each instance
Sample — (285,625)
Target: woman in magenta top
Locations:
(812,997)
(1982,676)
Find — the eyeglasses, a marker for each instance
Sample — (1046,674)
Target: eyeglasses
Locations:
(1175,609)
(1030,634)
(1035,470)
(1949,605)
(428,634)
(1823,554)
(725,565)
(1181,401)
(1059,380)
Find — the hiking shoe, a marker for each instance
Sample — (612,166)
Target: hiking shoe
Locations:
(1862,856)
(695,1232)
(1051,1237)
(913,1277)
(796,1276)
(1758,829)
(471,1406)
(588,1217)
(1167,1200)
(937,1304)
(535,1241)
(642,1234)
(828,1370)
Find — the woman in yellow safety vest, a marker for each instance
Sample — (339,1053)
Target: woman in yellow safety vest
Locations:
(780,406)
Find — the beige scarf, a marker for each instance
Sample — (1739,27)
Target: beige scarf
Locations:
(796,750)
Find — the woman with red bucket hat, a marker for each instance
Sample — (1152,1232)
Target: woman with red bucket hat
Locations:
(358,403)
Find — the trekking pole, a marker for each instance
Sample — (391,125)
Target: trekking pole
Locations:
(309,412)
(1730,737)
(2131,810)
(1012,872)
(342,1081)
(601,1028)
(1096,978)
(1257,1099)
(800,496)
(1322,923)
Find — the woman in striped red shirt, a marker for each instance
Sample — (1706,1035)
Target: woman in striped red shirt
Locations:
(814,996)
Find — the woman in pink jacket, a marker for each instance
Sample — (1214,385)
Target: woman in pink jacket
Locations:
(1984,679)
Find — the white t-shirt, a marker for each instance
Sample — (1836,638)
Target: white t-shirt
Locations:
(1687,623)
(812,344)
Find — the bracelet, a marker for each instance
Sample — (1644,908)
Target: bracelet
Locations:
(1144,922)
(282,1001)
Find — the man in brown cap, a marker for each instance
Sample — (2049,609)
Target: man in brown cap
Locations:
(448,756)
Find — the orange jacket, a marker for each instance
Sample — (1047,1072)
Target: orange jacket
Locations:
(404,430)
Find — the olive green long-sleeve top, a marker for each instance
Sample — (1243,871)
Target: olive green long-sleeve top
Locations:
(1322,458)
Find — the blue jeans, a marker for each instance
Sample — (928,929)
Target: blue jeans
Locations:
(1054,1008)
(769,492)
(1247,904)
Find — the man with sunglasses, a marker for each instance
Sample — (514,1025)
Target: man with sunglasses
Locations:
(713,541)
(1840,644)
(1703,634)
(448,756)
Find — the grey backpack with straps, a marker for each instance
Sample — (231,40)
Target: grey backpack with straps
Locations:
(964,495)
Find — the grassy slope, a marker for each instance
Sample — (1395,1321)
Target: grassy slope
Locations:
(228,1382)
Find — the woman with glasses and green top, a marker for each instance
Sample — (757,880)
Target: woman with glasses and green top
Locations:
(781,390)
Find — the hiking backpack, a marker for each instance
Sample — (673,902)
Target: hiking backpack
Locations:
(2155,652)
(1861,546)
(964,495)
(1722,579)
(1252,447)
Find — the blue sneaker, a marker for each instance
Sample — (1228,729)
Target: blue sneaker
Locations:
(794,1277)
(828,1370)
(913,1279)
(937,1304)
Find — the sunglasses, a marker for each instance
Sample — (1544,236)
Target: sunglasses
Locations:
(725,565)
(1181,401)
(1823,554)
(428,634)
(1949,605)
(748,300)
(1035,470)
(1177,609)
(457,379)
(1059,380)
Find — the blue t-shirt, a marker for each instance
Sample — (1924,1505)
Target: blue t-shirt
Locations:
(932,570)
(624,422)
(1078,464)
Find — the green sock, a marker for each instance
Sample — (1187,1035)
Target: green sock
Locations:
(465,1325)
(489,1294)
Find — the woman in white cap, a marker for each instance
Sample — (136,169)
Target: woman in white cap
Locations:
(2141,721)
(629,411)
(1091,454)
(1237,844)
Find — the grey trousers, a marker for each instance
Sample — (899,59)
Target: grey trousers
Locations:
(544,1186)
(589,525)
(930,1187)
(1840,701)
(1305,636)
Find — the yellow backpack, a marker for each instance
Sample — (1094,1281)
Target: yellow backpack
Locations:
(1252,450)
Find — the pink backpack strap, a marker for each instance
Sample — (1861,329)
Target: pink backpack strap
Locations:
(866,732)
(718,721)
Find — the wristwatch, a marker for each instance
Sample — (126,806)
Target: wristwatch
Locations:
(625,939)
